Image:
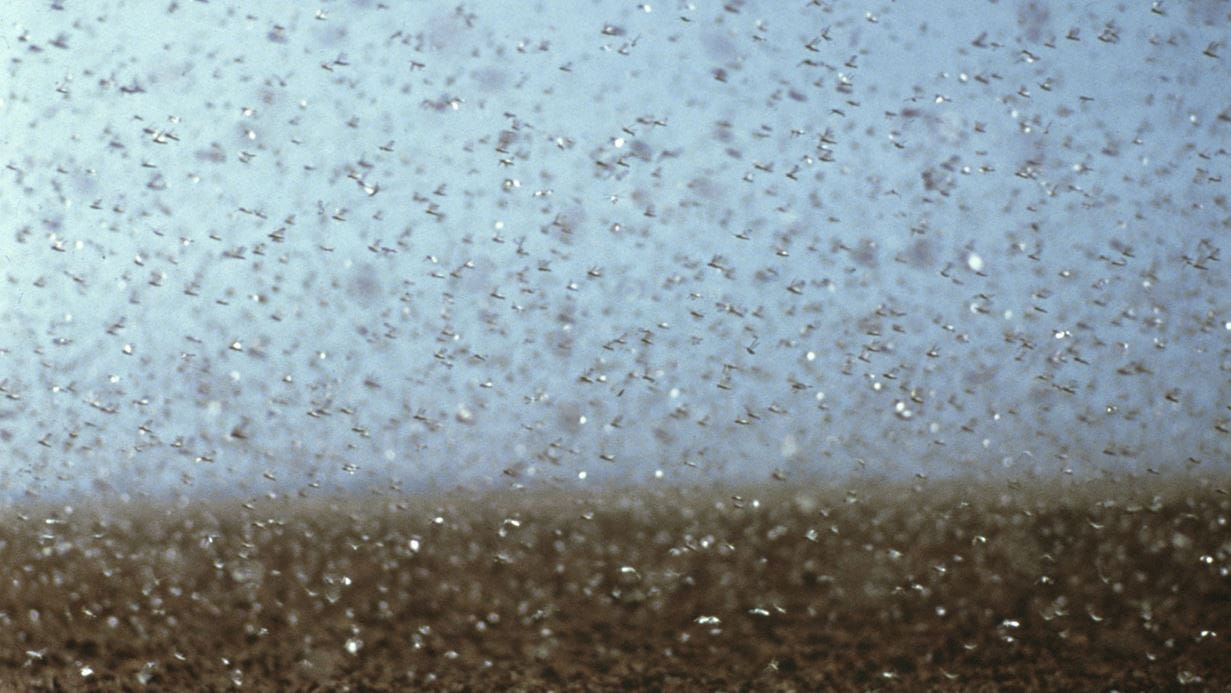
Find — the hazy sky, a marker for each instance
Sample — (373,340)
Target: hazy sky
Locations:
(260,247)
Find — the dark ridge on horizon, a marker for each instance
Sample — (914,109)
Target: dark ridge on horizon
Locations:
(1121,584)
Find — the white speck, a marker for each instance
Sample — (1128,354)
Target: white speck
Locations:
(974,262)
(658,473)
(581,475)
(582,420)
(390,454)
(811,356)
(87,671)
(353,645)
(675,391)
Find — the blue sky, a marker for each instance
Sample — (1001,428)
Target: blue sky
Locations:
(255,247)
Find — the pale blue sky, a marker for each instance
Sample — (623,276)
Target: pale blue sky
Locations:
(418,245)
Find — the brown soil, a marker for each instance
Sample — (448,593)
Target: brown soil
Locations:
(1084,586)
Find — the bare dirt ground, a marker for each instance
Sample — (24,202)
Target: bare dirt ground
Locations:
(1062,586)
